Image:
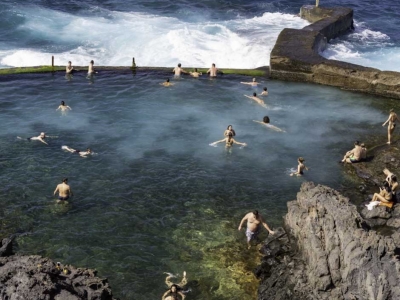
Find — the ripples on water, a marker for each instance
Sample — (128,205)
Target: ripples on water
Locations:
(156,197)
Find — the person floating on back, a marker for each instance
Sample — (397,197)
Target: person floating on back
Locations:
(178,71)
(392,124)
(252,83)
(64,191)
(354,155)
(300,167)
(266,123)
(254,220)
(175,289)
(258,100)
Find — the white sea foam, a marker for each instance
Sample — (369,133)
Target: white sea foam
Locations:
(153,40)
(365,47)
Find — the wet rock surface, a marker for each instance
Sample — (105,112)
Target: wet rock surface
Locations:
(34,277)
(329,252)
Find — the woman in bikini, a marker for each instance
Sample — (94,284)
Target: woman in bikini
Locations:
(175,289)
(385,194)
(392,124)
(229,141)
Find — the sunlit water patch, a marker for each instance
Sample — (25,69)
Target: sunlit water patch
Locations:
(156,197)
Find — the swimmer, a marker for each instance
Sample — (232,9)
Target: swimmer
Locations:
(300,168)
(254,220)
(64,107)
(264,92)
(174,289)
(255,98)
(353,155)
(41,138)
(69,68)
(178,70)
(266,123)
(229,141)
(213,71)
(64,191)
(253,83)
(91,68)
(167,83)
(195,73)
(81,153)
(228,130)
(392,124)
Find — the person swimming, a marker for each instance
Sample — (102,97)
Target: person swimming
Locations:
(264,92)
(258,100)
(300,167)
(40,138)
(178,71)
(63,107)
(81,153)
(266,123)
(228,130)
(252,83)
(167,83)
(174,289)
(229,141)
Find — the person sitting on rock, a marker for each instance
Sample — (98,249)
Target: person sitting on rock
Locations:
(394,186)
(353,155)
(384,196)
(174,289)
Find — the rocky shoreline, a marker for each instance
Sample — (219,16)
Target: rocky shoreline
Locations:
(34,277)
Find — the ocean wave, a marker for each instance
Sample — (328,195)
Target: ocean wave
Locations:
(113,38)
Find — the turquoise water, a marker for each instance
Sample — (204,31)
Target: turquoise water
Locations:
(156,197)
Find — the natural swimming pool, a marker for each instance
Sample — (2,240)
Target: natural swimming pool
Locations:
(156,197)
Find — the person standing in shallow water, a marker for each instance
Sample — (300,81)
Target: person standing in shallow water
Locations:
(228,130)
(392,124)
(91,68)
(64,191)
(254,221)
(178,70)
(63,107)
(213,71)
(69,68)
(300,168)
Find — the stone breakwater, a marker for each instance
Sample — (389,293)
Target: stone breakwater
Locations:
(328,252)
(295,56)
(34,277)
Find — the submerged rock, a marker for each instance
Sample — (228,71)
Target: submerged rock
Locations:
(34,277)
(328,252)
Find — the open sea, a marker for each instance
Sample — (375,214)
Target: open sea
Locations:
(156,197)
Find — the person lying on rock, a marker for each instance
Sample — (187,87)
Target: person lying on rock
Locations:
(174,289)
(353,155)
(254,220)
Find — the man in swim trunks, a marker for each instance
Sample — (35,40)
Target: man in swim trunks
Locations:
(353,155)
(254,220)
(64,191)
(178,70)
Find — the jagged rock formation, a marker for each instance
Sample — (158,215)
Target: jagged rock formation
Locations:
(34,277)
(295,56)
(328,253)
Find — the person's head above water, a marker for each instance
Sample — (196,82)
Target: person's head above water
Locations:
(174,288)
(88,150)
(254,94)
(195,69)
(300,159)
(254,80)
(179,65)
(42,134)
(213,65)
(62,103)
(69,63)
(265,88)
(92,62)
(167,80)
(356,143)
(229,127)
(65,180)
(266,119)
